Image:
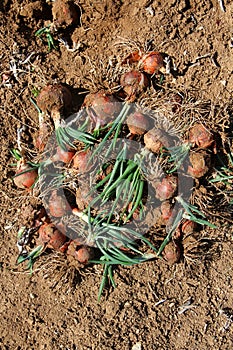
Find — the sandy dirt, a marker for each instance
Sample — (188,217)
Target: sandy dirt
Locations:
(147,310)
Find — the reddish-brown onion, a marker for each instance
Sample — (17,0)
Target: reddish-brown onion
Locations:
(166,210)
(200,164)
(63,156)
(138,123)
(188,227)
(101,107)
(200,136)
(133,83)
(152,62)
(84,254)
(155,139)
(25,179)
(81,161)
(167,188)
(54,97)
(58,205)
(48,233)
(172,253)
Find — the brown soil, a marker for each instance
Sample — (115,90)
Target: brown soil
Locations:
(146,308)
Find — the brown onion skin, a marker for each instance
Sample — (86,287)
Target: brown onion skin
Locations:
(152,62)
(27,179)
(79,252)
(84,254)
(54,97)
(64,13)
(101,106)
(58,205)
(200,164)
(200,136)
(133,83)
(155,139)
(167,188)
(49,234)
(188,227)
(80,161)
(172,253)
(138,123)
(166,210)
(63,156)
(133,57)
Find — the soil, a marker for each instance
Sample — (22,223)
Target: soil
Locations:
(147,309)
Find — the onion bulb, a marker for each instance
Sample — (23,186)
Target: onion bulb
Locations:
(63,156)
(200,164)
(54,98)
(171,253)
(48,233)
(101,107)
(151,62)
(133,83)
(138,123)
(167,188)
(24,178)
(200,136)
(155,139)
(166,210)
(58,205)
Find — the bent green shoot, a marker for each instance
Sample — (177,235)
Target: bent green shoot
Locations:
(46,33)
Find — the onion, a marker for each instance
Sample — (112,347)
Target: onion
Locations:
(137,123)
(23,178)
(101,107)
(64,13)
(166,210)
(167,188)
(54,98)
(132,57)
(62,155)
(171,253)
(188,227)
(48,233)
(58,205)
(133,83)
(200,164)
(200,136)
(152,62)
(80,252)
(80,161)
(155,139)
(84,254)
